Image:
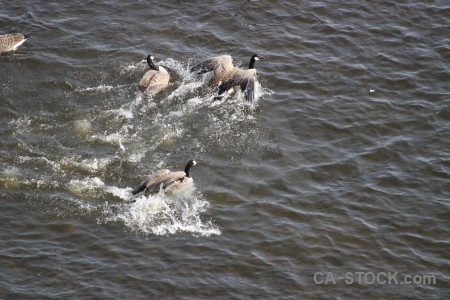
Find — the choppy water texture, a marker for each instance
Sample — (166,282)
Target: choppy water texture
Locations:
(341,165)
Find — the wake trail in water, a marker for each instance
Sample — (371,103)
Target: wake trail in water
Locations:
(157,214)
(140,126)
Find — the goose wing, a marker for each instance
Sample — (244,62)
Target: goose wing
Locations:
(11,41)
(173,177)
(151,181)
(212,63)
(166,181)
(246,80)
(249,88)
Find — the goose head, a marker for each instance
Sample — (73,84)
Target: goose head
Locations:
(150,62)
(190,164)
(254,58)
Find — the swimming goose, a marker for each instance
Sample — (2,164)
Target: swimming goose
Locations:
(156,79)
(10,42)
(171,182)
(230,76)
(245,79)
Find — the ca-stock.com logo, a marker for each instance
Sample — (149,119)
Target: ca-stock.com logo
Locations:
(368,278)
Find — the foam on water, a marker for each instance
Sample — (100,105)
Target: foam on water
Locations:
(89,188)
(188,81)
(122,193)
(83,127)
(135,157)
(97,89)
(10,171)
(162,215)
(21,124)
(92,165)
(134,67)
(115,139)
(53,164)
(157,214)
(121,112)
(10,177)
(94,188)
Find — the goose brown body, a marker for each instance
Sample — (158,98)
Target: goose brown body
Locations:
(156,79)
(10,42)
(170,182)
(230,76)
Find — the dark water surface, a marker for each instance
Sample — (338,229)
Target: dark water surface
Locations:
(342,165)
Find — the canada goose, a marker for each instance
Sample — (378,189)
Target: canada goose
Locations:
(230,76)
(171,182)
(156,79)
(246,79)
(10,42)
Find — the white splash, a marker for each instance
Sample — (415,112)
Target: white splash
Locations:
(21,125)
(115,139)
(89,188)
(82,127)
(53,164)
(10,171)
(157,214)
(161,214)
(97,89)
(184,88)
(135,157)
(121,112)
(10,177)
(134,67)
(92,165)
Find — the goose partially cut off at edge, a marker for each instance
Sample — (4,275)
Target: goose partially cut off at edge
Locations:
(171,182)
(156,79)
(11,41)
